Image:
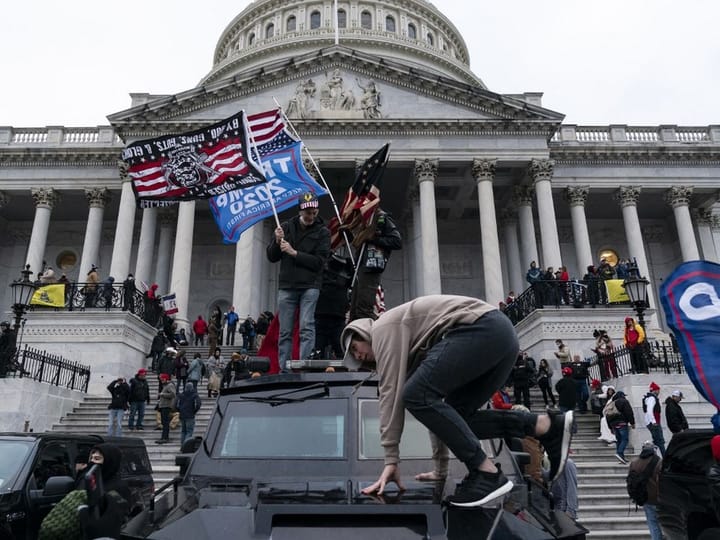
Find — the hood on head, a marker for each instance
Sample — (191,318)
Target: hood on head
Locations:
(362,327)
(619,394)
(189,389)
(111,463)
(629,319)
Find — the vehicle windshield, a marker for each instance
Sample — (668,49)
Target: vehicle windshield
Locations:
(12,457)
(306,429)
(415,442)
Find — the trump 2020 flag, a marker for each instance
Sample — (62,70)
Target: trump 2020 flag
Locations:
(690,297)
(280,154)
(287,179)
(196,165)
(169,303)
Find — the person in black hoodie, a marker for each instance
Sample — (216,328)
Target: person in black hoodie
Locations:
(156,349)
(117,500)
(301,246)
(674,414)
(120,392)
(188,404)
(521,375)
(620,417)
(139,397)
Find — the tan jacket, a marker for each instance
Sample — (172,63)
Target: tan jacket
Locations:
(400,338)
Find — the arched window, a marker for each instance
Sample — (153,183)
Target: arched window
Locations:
(291,23)
(251,39)
(314,20)
(269,31)
(412,31)
(366,20)
(389,24)
(342,18)
(430,39)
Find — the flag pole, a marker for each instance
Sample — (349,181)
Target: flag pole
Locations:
(320,175)
(267,186)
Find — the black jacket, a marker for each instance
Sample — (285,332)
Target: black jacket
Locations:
(139,390)
(158,344)
(188,403)
(626,413)
(313,247)
(713,477)
(120,392)
(675,416)
(387,238)
(567,393)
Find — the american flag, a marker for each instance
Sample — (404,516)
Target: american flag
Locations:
(361,201)
(268,132)
(194,165)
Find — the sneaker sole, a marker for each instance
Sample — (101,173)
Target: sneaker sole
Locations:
(499,492)
(565,445)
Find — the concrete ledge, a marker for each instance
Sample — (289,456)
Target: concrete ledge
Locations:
(39,404)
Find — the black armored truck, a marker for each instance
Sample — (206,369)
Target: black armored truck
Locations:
(286,457)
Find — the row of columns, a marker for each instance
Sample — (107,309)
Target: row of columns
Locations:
(250,250)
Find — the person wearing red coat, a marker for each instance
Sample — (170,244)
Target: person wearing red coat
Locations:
(200,328)
(501,398)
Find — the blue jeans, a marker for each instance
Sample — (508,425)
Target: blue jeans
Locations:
(657,437)
(621,440)
(136,407)
(450,385)
(652,521)
(115,417)
(289,301)
(187,428)
(583,393)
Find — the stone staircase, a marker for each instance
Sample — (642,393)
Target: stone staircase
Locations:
(91,416)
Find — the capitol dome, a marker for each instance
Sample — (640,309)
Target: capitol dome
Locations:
(413,32)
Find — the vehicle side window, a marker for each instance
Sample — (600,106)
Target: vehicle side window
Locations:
(53,460)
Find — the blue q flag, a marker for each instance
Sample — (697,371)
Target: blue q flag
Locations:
(690,297)
(287,179)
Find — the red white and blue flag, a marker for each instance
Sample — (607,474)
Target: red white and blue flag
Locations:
(280,155)
(690,297)
(195,165)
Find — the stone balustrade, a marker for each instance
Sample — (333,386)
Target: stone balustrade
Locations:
(59,136)
(650,135)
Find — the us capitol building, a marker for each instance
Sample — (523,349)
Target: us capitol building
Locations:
(480,183)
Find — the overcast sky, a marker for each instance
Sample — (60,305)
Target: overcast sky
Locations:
(638,62)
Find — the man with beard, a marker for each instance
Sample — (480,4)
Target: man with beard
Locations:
(301,246)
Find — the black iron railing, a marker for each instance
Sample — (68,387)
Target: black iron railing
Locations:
(84,296)
(554,293)
(657,356)
(49,368)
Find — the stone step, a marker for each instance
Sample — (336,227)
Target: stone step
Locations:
(625,523)
(608,510)
(591,490)
(618,534)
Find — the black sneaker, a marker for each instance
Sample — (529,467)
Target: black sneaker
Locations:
(480,488)
(140,428)
(557,442)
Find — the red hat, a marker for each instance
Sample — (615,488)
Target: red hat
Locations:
(654,387)
(715,446)
(142,371)
(595,383)
(566,371)
(164,377)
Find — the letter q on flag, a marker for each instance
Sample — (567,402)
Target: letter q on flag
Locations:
(690,297)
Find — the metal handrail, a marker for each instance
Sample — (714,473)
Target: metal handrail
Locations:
(53,369)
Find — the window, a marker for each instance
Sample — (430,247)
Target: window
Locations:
(412,31)
(291,23)
(269,31)
(342,18)
(366,20)
(12,458)
(389,24)
(430,39)
(251,40)
(54,460)
(415,442)
(306,429)
(314,20)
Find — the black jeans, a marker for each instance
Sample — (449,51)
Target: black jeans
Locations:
(522,395)
(165,416)
(546,389)
(457,377)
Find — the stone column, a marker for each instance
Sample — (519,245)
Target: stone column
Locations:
(628,198)
(715,228)
(247,260)
(426,172)
(577,197)
(182,259)
(45,200)
(678,197)
(542,172)
(97,200)
(162,268)
(483,171)
(146,245)
(120,262)
(704,222)
(515,270)
(523,196)
(416,235)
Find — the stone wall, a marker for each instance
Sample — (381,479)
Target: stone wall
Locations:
(39,404)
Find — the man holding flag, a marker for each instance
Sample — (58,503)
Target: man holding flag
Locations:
(301,245)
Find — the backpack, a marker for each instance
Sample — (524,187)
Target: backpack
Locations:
(637,482)
(610,410)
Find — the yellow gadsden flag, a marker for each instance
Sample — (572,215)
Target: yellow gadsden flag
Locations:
(615,291)
(50,296)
